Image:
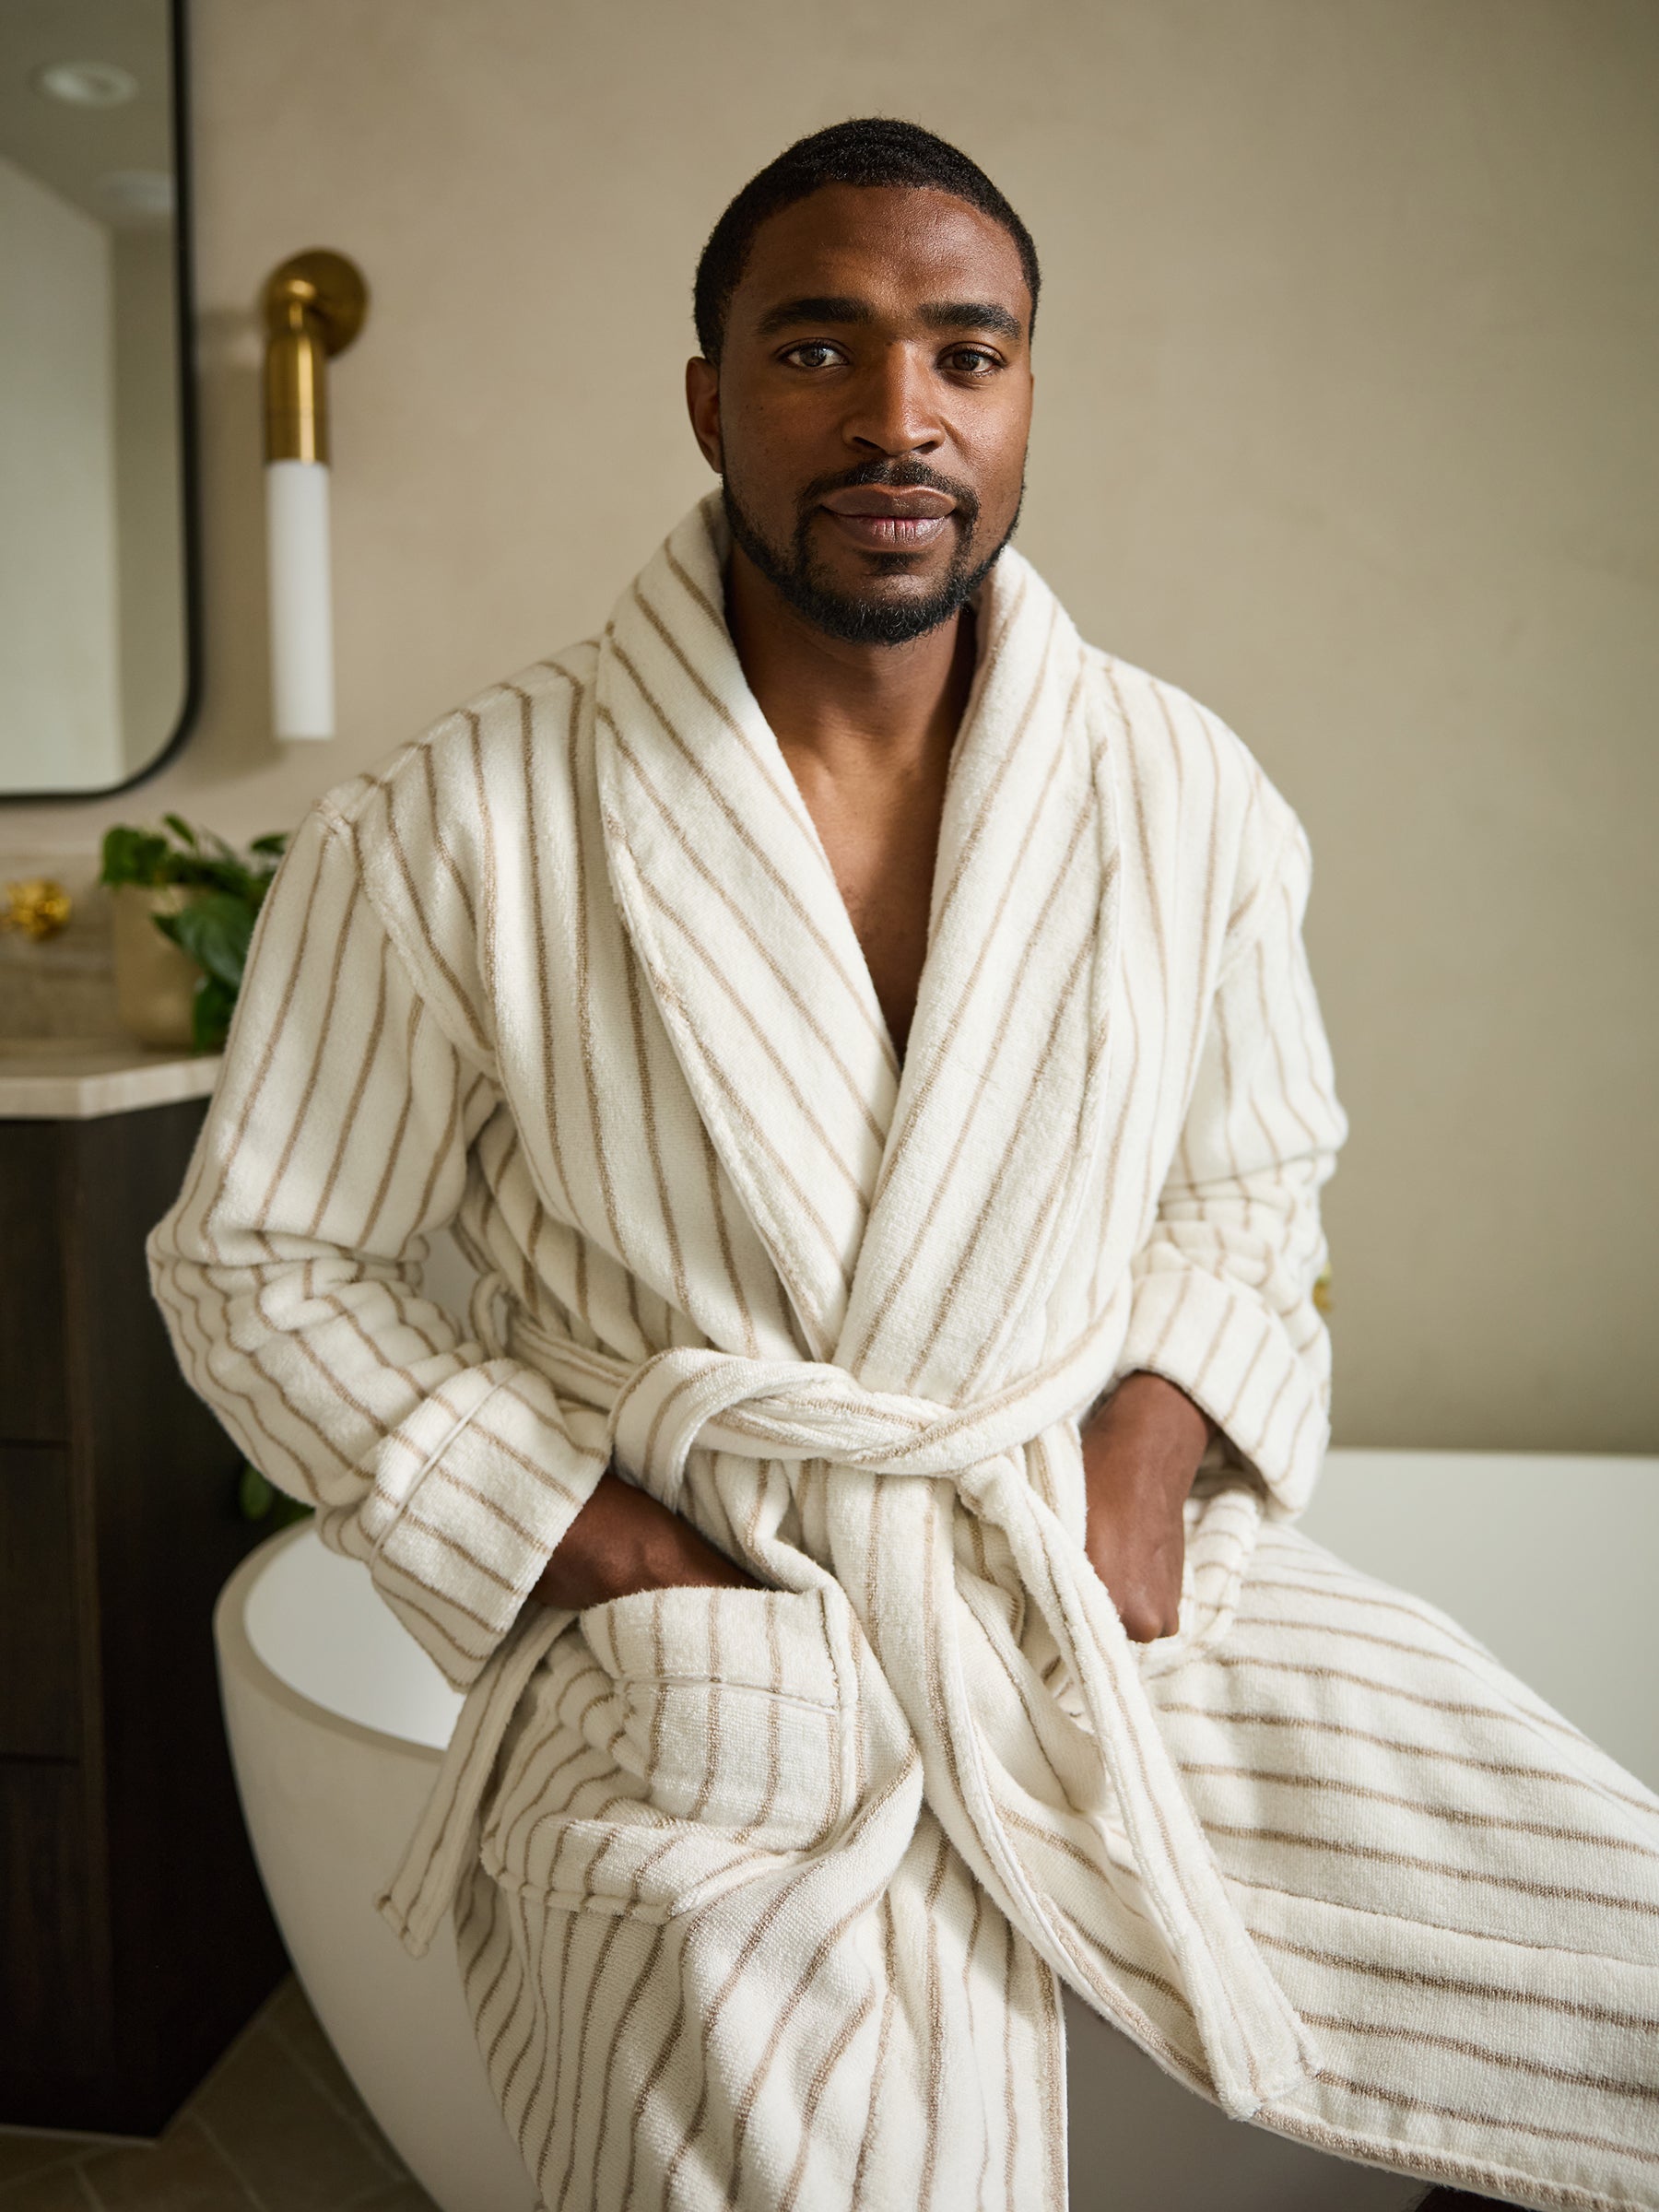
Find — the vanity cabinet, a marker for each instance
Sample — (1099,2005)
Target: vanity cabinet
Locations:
(134,1937)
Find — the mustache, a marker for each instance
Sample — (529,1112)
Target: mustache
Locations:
(898,476)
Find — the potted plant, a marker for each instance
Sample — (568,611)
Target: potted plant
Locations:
(185,907)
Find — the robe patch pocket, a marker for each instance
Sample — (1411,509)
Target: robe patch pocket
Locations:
(680,1743)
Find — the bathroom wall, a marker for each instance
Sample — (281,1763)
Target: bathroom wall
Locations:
(1345,409)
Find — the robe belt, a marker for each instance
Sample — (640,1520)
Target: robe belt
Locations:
(1255,2047)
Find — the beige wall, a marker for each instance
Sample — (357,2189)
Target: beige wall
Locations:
(1346,422)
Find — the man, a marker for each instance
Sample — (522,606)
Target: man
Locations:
(861,1036)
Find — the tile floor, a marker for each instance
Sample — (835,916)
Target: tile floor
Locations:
(275,2127)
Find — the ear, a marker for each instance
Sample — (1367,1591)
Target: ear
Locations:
(702,404)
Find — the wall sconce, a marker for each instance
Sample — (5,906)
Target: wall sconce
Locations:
(314,306)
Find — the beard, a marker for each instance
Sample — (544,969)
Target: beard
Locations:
(869,618)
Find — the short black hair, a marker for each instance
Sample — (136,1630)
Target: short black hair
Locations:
(871,150)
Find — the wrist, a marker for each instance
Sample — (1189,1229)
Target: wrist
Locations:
(1141,1450)
(603,1552)
(1149,1426)
(623,1540)
(1146,1397)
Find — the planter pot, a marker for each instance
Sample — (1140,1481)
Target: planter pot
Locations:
(155,981)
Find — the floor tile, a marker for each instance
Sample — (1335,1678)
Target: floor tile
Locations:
(292,2021)
(23,2154)
(186,2171)
(60,2189)
(407,2195)
(294,2147)
(275,2127)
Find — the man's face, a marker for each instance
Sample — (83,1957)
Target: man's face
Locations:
(871,408)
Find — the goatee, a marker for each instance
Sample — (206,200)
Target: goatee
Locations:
(872,618)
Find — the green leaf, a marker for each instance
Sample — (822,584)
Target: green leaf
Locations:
(228,875)
(210,1013)
(134,856)
(216,929)
(181,829)
(258,1498)
(255,1494)
(275,841)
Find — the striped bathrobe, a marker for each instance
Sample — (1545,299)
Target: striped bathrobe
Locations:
(765,1898)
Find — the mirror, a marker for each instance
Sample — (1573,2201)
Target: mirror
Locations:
(96,525)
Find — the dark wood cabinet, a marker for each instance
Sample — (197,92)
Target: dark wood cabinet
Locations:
(134,1938)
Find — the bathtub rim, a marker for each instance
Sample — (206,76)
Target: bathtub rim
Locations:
(237,1655)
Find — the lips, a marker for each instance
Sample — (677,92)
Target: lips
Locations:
(910,503)
(905,520)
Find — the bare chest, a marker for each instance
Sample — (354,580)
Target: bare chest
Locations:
(882,857)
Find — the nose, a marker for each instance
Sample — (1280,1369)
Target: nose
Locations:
(893,410)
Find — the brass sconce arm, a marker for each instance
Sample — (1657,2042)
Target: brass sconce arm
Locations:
(315,306)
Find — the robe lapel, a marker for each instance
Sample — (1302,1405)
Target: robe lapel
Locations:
(993,1134)
(914,1226)
(737,921)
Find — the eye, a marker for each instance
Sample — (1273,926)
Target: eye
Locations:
(971,360)
(817,353)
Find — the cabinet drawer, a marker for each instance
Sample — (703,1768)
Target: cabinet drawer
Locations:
(40,1619)
(33,1401)
(54,1958)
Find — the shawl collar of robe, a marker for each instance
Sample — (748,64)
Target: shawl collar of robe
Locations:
(948,1192)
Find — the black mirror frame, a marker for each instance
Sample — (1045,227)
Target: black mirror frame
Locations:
(190,518)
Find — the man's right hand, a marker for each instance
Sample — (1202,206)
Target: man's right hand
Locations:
(621,1541)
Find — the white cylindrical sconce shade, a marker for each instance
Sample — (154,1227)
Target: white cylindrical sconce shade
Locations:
(301,599)
(315,306)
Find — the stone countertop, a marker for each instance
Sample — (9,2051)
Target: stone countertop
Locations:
(80,1079)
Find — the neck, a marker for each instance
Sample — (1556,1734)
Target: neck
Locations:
(845,706)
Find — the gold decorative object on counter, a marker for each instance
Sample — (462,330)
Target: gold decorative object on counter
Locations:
(37,909)
(1322,1293)
(155,980)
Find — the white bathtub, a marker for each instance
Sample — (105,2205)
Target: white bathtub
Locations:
(337,1719)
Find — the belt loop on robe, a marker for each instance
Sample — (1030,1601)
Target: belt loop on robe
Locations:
(1256,2047)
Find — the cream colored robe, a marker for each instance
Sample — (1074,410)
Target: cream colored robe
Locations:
(763,1897)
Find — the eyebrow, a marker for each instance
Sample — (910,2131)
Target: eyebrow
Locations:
(972,314)
(938,314)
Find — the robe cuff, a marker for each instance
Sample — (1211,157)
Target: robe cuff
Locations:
(499,1467)
(1234,1359)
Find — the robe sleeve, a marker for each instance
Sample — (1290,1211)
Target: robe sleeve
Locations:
(1224,1284)
(289,1273)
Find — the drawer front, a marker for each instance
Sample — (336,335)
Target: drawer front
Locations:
(41,1624)
(53,1950)
(33,1400)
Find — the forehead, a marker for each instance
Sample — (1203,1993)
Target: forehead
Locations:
(892,245)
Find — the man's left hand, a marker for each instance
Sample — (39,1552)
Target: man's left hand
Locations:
(1141,1450)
